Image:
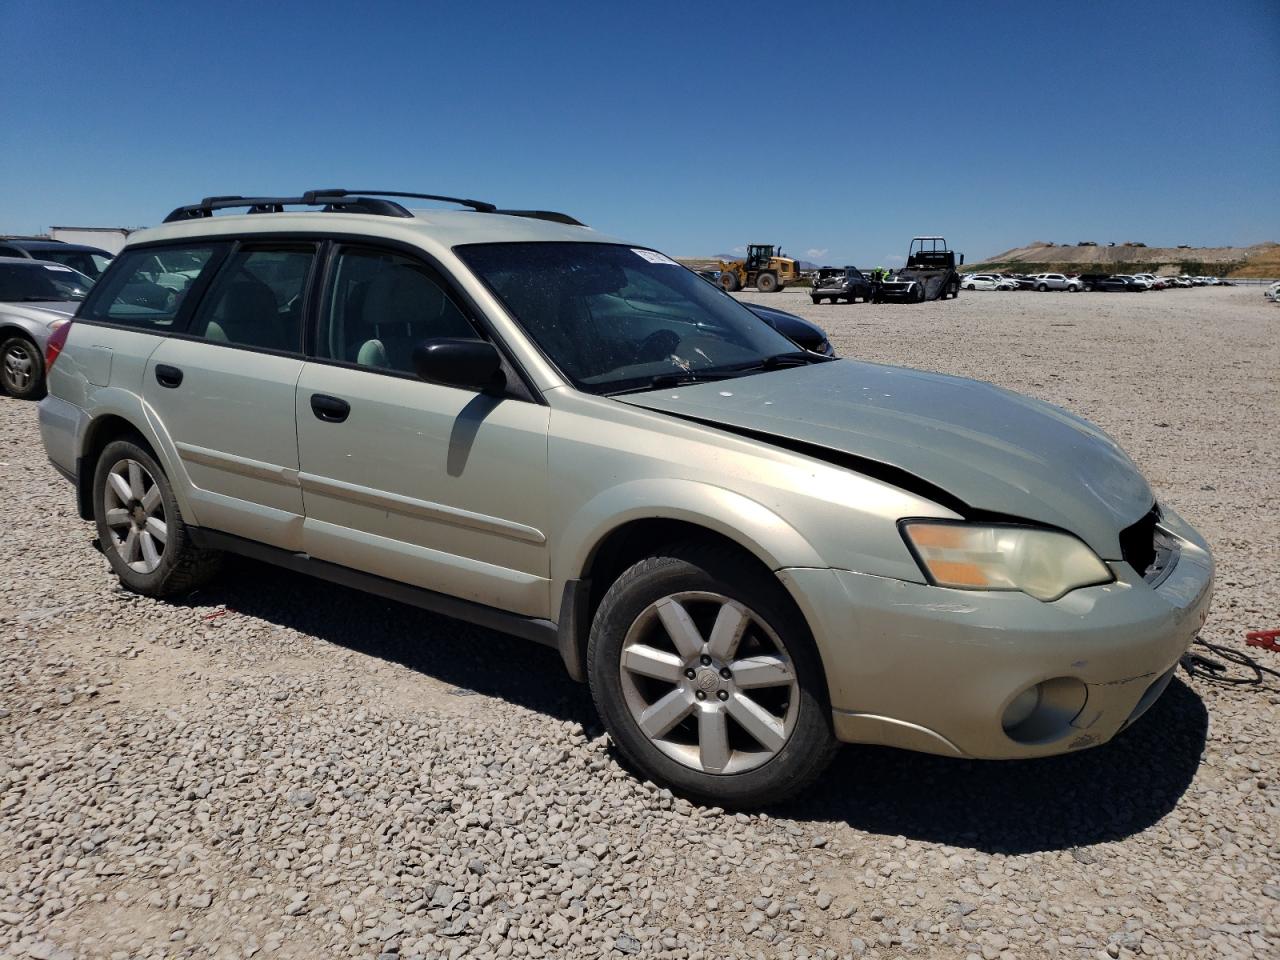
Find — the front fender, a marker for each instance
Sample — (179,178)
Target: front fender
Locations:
(747,522)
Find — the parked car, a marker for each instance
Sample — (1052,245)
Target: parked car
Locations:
(983,281)
(1272,292)
(1151,280)
(36,298)
(803,332)
(1104,282)
(1140,284)
(751,552)
(1057,281)
(89,261)
(1025,282)
(841,283)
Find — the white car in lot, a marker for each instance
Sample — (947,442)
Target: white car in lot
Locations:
(986,281)
(1144,284)
(1056,281)
(1272,292)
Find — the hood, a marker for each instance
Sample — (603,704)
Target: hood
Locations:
(41,311)
(993,450)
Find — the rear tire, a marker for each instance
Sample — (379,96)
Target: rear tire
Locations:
(1042,288)
(140,526)
(767,283)
(767,741)
(21,368)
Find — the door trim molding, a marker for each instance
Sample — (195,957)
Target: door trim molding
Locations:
(422,509)
(244,466)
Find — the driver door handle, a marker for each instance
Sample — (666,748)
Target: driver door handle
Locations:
(329,409)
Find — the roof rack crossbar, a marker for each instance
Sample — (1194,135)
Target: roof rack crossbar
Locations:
(478,205)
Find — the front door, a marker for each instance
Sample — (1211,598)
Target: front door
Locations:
(435,486)
(224,391)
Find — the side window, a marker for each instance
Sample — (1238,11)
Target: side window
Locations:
(10,252)
(256,298)
(381,305)
(135,294)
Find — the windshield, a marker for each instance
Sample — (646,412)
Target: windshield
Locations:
(615,318)
(90,264)
(34,282)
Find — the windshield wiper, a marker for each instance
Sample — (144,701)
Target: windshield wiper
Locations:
(681,379)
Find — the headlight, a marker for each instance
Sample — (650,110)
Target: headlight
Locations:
(1044,564)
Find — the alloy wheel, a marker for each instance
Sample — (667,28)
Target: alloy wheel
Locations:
(134,511)
(19,367)
(709,683)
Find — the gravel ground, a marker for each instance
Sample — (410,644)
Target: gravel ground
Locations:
(281,767)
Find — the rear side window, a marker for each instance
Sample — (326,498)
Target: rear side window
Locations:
(146,287)
(381,305)
(256,299)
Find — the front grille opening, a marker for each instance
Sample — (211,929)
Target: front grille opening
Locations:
(1138,542)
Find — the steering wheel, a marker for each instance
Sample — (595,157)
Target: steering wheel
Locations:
(658,345)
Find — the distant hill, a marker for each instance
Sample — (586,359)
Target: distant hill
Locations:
(1261,259)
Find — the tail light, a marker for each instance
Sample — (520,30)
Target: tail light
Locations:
(57,341)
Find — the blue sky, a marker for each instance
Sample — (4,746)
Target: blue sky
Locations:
(838,130)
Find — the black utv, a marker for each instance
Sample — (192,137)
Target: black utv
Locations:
(841,283)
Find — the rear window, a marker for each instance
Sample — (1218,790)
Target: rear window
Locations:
(146,287)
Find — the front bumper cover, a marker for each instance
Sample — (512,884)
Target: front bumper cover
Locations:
(933,669)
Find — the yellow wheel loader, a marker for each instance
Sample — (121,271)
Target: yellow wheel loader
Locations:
(760,269)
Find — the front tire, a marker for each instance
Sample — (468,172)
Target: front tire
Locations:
(22,368)
(729,281)
(707,678)
(140,526)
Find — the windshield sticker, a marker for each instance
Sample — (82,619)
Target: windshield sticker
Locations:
(653,256)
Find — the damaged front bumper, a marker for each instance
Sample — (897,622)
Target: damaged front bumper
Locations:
(1002,675)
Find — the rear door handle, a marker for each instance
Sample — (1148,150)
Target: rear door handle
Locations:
(329,409)
(168,376)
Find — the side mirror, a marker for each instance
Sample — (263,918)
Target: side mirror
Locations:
(456,362)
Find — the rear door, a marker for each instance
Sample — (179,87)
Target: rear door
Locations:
(224,392)
(436,486)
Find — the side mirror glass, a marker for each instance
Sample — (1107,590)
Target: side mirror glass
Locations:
(457,362)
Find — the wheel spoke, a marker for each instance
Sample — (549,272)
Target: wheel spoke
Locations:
(117,517)
(713,739)
(652,662)
(753,718)
(731,623)
(152,498)
(149,552)
(157,529)
(763,671)
(135,480)
(120,487)
(658,719)
(129,549)
(681,628)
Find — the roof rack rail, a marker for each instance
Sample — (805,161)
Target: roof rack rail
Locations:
(480,206)
(331,202)
(351,201)
(551,215)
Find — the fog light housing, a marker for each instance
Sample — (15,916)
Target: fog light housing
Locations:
(1044,711)
(1021,707)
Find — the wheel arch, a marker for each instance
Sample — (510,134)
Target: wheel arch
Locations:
(600,542)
